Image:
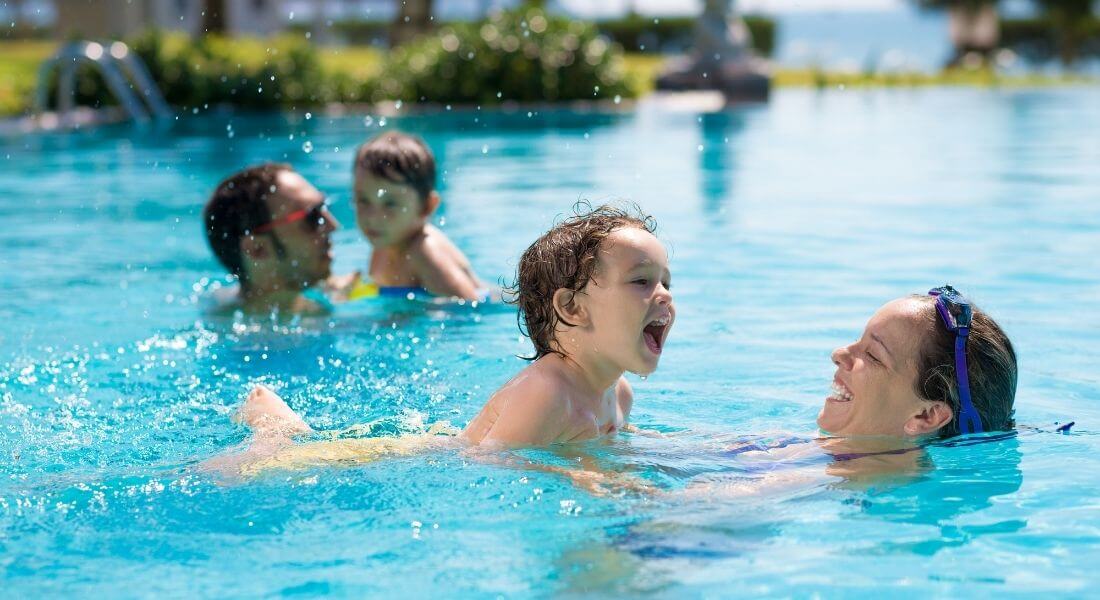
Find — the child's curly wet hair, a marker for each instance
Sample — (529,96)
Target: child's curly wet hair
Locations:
(566,257)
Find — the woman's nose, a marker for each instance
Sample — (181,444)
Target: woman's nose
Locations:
(842,358)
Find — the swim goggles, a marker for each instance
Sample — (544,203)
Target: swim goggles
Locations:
(314,217)
(947,298)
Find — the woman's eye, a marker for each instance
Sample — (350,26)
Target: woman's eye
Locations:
(667,284)
(641,281)
(873,359)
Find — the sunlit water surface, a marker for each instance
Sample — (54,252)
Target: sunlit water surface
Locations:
(788,225)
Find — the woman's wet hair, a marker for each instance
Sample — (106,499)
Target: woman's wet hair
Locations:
(236,208)
(400,158)
(990,365)
(566,257)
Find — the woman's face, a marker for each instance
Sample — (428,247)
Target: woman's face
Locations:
(873,389)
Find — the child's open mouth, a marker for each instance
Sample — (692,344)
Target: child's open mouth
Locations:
(654,333)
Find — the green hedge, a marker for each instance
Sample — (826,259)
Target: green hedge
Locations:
(524,55)
(279,72)
(356,32)
(1045,38)
(634,33)
(648,34)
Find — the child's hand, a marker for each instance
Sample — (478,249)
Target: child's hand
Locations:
(338,287)
(599,483)
(653,433)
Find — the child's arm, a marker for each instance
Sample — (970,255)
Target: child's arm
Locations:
(440,271)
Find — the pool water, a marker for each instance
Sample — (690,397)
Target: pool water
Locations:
(788,225)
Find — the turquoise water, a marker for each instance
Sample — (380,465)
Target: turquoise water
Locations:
(788,224)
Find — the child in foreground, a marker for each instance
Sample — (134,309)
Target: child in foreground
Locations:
(593,296)
(395,197)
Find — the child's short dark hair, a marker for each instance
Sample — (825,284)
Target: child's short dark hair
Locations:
(565,257)
(401,158)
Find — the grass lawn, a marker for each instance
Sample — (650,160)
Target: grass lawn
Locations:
(361,62)
(19,72)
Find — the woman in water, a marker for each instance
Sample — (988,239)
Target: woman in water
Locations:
(926,369)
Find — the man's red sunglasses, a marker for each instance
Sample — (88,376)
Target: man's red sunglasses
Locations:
(314,217)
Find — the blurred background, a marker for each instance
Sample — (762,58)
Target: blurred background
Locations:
(345,43)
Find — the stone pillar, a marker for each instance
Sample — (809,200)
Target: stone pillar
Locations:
(721,58)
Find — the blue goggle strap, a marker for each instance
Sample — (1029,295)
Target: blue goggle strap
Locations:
(969,421)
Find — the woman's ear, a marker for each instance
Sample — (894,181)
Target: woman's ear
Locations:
(569,310)
(932,417)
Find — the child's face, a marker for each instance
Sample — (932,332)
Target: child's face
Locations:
(388,212)
(629,302)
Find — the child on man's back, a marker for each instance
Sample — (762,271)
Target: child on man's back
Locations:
(593,293)
(395,197)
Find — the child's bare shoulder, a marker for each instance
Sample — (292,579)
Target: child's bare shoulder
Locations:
(625,396)
(440,266)
(533,408)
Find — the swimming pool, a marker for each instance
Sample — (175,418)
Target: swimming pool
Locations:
(788,225)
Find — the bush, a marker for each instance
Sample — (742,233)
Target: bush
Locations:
(279,72)
(352,32)
(1045,38)
(522,55)
(647,34)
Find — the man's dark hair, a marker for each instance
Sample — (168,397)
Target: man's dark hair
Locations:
(566,257)
(237,207)
(400,158)
(990,364)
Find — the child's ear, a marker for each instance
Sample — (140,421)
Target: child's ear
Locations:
(932,417)
(569,311)
(431,203)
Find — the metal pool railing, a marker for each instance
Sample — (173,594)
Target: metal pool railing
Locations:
(122,70)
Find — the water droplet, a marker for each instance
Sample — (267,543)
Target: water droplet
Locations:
(618,99)
(307,147)
(309,116)
(398,104)
(485,149)
(368,121)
